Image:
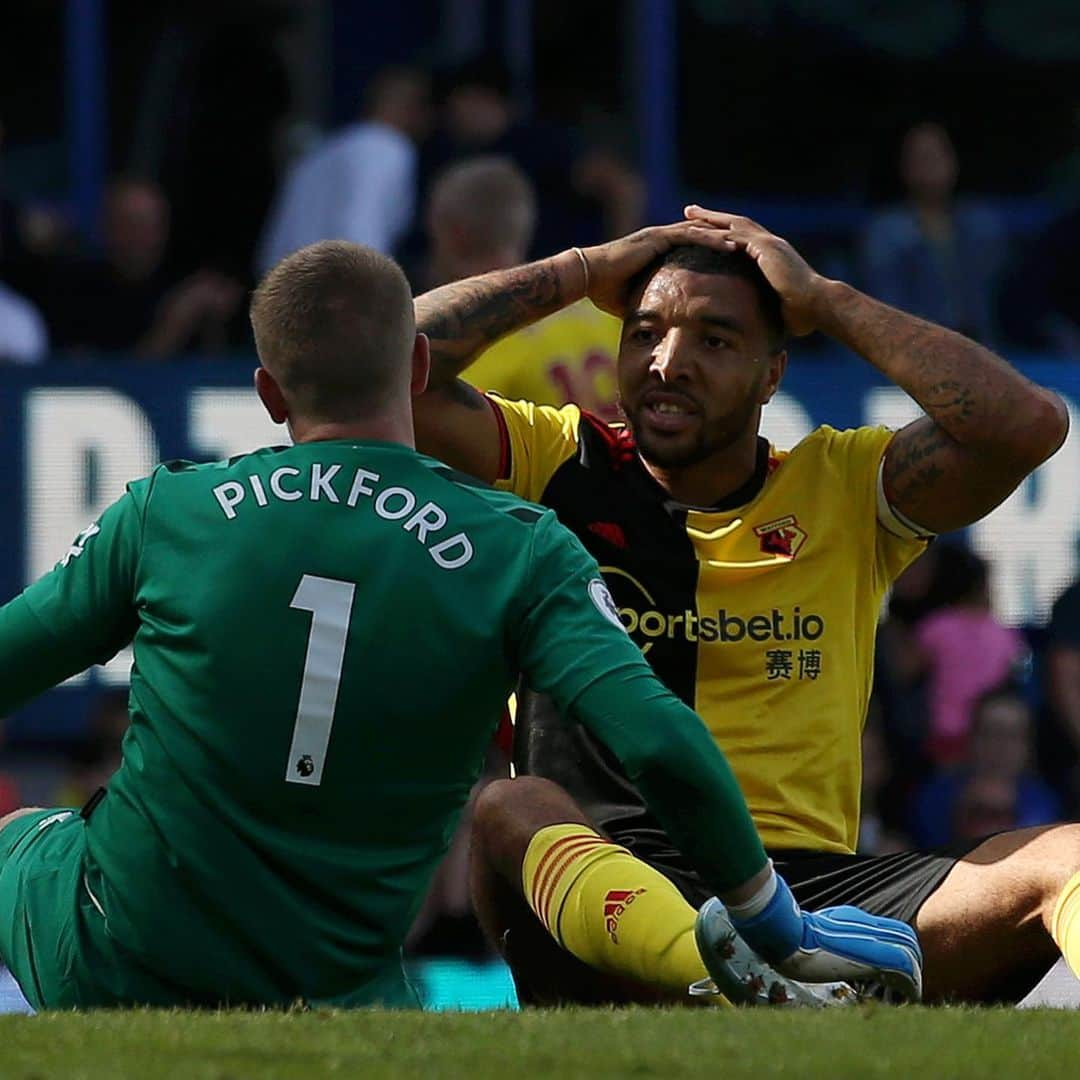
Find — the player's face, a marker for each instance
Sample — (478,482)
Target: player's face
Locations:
(695,366)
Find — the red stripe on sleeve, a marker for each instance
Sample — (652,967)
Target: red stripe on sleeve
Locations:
(504,439)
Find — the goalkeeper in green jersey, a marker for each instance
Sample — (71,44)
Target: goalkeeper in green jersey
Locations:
(324,635)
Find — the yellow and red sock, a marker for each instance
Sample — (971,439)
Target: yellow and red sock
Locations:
(611,910)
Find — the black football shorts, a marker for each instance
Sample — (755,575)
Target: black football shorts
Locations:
(895,885)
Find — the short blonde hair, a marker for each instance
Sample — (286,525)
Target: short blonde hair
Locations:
(491,198)
(334,325)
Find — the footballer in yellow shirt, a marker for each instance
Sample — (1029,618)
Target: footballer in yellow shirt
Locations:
(567,357)
(760,613)
(752,577)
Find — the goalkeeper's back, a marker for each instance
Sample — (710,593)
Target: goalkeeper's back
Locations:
(324,636)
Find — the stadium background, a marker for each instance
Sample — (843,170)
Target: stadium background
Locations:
(789,110)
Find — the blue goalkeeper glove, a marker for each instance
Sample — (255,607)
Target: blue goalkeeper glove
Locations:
(832,945)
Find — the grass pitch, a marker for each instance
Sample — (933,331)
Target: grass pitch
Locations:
(864,1042)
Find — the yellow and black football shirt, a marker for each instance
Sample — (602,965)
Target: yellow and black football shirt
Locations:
(760,613)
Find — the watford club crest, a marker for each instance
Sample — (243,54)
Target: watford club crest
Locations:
(781,537)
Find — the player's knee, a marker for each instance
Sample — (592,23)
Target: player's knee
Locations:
(528,799)
(489,810)
(1060,860)
(508,813)
(1041,863)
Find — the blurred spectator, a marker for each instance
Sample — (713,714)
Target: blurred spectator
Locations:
(25,233)
(994,788)
(23,337)
(360,184)
(963,650)
(480,216)
(127,299)
(899,669)
(1040,298)
(1063,688)
(875,835)
(986,805)
(585,193)
(936,255)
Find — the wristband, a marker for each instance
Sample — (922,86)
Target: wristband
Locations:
(584,266)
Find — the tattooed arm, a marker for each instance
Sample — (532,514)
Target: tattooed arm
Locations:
(453,421)
(465,317)
(986,425)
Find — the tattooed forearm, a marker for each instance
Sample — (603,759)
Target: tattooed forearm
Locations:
(986,426)
(969,392)
(465,317)
(950,397)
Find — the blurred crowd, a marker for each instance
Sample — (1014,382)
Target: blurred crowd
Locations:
(396,179)
(974,726)
(388,180)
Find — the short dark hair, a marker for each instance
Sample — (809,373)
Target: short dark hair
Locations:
(705,260)
(387,82)
(334,325)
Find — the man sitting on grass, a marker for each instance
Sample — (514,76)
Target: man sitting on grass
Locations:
(289,782)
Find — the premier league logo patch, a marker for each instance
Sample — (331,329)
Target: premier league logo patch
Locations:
(598,593)
(782,537)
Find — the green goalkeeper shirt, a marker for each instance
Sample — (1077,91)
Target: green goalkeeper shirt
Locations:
(324,636)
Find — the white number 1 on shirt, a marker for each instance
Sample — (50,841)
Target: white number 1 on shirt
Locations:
(330,604)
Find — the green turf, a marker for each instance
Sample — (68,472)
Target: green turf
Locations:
(923,1044)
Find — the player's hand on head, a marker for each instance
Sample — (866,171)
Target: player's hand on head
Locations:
(612,267)
(795,280)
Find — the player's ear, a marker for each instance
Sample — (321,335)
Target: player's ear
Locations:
(271,396)
(777,367)
(421,365)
